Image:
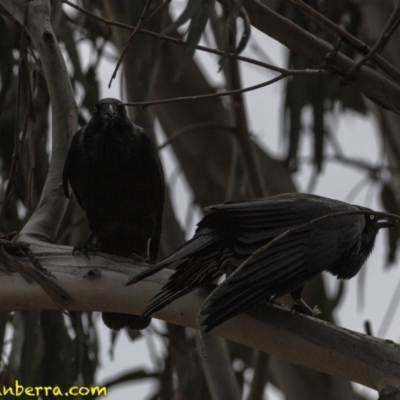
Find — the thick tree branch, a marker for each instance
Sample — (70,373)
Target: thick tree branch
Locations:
(335,30)
(47,217)
(370,83)
(98,285)
(217,369)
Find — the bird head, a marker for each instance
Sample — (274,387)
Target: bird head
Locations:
(374,222)
(379,220)
(108,112)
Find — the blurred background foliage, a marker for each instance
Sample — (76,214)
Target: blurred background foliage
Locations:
(213,146)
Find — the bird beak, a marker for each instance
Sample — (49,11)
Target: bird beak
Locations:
(387,222)
(110,109)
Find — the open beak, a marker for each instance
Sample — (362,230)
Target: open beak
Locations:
(387,222)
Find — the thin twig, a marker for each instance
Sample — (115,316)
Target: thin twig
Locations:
(38,273)
(260,375)
(129,40)
(332,28)
(382,41)
(175,40)
(192,128)
(18,143)
(227,93)
(31,120)
(288,232)
(158,9)
(248,156)
(24,248)
(390,312)
(374,170)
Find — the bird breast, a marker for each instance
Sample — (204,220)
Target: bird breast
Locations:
(108,150)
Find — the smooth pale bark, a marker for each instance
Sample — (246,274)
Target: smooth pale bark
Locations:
(47,217)
(98,285)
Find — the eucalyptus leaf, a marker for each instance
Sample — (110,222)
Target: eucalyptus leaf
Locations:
(197,25)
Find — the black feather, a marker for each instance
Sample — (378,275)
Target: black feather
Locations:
(339,246)
(117,178)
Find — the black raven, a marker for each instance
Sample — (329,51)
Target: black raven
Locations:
(231,232)
(117,177)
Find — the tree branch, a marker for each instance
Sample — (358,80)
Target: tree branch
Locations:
(174,40)
(98,285)
(217,368)
(213,95)
(47,217)
(383,40)
(335,30)
(367,81)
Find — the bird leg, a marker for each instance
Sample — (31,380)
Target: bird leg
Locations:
(273,300)
(301,306)
(146,258)
(86,247)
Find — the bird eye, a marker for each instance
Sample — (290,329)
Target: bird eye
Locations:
(372,217)
(122,108)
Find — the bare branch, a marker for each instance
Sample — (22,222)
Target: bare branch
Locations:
(250,161)
(336,30)
(39,275)
(98,285)
(46,219)
(260,373)
(194,128)
(229,92)
(175,40)
(142,21)
(217,368)
(18,141)
(383,40)
(137,29)
(373,85)
(390,312)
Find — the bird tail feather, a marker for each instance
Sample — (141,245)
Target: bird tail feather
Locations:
(194,245)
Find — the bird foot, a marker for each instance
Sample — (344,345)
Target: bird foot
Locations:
(140,259)
(303,308)
(276,302)
(316,311)
(85,249)
(297,308)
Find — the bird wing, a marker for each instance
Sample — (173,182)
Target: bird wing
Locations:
(155,179)
(71,169)
(188,276)
(203,266)
(277,271)
(198,244)
(330,239)
(290,262)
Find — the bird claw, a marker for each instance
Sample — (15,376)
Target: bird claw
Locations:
(316,311)
(85,249)
(297,308)
(303,308)
(140,259)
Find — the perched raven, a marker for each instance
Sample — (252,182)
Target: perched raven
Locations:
(233,231)
(117,177)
